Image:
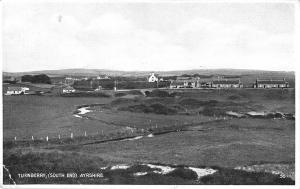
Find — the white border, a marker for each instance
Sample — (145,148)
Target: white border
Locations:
(297,95)
(150,1)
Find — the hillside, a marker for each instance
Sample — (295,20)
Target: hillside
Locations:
(95,72)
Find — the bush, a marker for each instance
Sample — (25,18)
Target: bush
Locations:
(85,94)
(153,108)
(41,78)
(183,173)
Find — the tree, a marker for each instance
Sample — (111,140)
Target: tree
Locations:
(41,78)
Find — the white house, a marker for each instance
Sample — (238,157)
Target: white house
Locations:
(271,83)
(17,90)
(153,77)
(68,89)
(103,77)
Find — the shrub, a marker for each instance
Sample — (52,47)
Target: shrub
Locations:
(85,94)
(153,108)
(41,78)
(183,173)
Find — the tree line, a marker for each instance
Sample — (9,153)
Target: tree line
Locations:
(41,78)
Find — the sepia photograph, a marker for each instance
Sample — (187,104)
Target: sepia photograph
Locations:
(180,92)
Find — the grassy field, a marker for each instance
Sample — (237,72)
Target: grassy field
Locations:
(189,129)
(41,116)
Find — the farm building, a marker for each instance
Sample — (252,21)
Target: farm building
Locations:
(176,84)
(189,82)
(226,84)
(17,90)
(68,89)
(205,85)
(99,88)
(153,77)
(103,77)
(271,84)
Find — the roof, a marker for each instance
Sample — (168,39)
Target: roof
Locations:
(271,82)
(156,75)
(69,88)
(226,82)
(177,83)
(16,88)
(183,78)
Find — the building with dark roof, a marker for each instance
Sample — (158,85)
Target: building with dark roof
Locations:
(15,90)
(177,84)
(226,84)
(271,83)
(68,89)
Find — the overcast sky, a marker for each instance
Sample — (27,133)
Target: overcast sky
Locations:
(148,36)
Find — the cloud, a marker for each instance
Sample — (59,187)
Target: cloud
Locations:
(113,41)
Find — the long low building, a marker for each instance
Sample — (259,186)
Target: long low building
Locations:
(226,84)
(271,84)
(17,90)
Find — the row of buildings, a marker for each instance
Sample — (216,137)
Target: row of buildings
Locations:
(196,82)
(191,83)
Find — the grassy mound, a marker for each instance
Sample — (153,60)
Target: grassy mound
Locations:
(183,173)
(159,93)
(86,94)
(194,103)
(156,108)
(236,177)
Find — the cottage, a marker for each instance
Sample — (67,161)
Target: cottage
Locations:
(205,85)
(68,89)
(271,84)
(189,82)
(99,88)
(103,77)
(226,84)
(176,84)
(153,78)
(17,90)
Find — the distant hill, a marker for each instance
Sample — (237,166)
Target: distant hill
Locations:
(247,77)
(96,72)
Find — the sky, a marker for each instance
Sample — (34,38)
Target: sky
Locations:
(147,36)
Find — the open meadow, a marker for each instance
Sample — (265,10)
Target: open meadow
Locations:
(163,137)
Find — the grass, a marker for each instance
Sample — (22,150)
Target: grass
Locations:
(41,116)
(86,94)
(205,140)
(58,162)
(51,162)
(234,177)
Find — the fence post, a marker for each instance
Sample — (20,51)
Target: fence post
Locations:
(71,135)
(47,138)
(59,137)
(15,138)
(32,138)
(85,133)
